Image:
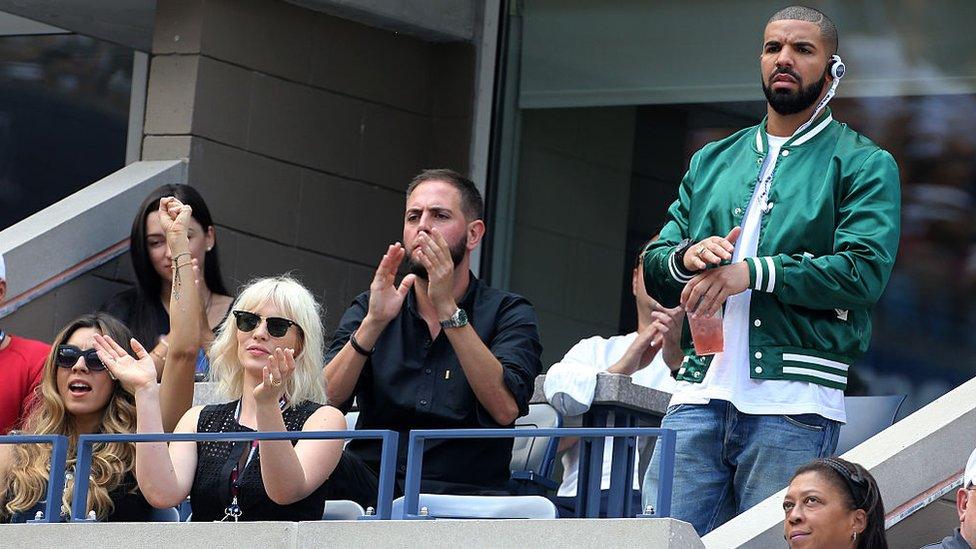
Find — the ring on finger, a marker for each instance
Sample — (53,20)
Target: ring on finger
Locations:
(275,382)
(701,250)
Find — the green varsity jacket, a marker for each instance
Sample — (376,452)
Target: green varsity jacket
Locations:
(825,252)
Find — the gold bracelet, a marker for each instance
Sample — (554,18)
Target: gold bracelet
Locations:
(179,255)
(177,266)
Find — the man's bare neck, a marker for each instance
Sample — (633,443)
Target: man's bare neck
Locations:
(779,125)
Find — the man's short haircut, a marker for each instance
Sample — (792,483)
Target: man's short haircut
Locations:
(639,258)
(802,13)
(472,204)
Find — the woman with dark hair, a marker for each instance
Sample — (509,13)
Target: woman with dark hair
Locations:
(77,395)
(144,308)
(833,503)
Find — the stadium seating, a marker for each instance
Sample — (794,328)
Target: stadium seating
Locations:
(533,458)
(482,507)
(342,509)
(866,417)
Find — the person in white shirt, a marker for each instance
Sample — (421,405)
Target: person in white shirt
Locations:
(571,382)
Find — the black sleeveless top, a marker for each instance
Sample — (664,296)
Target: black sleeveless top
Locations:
(129,505)
(211,492)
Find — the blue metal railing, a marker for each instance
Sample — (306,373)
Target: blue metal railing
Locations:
(55,483)
(387,456)
(411,491)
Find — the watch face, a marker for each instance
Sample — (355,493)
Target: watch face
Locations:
(457,320)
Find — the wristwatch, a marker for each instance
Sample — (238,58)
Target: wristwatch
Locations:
(457,320)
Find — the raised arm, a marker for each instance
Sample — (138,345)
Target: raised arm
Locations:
(502,377)
(185,316)
(165,475)
(291,473)
(385,301)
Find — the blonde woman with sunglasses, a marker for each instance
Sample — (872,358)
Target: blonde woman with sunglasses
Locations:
(266,360)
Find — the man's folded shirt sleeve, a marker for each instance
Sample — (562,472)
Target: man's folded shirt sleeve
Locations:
(517,347)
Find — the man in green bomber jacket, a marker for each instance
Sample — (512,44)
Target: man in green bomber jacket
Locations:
(793,225)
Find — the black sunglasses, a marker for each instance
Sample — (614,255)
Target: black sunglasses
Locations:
(277,326)
(68,356)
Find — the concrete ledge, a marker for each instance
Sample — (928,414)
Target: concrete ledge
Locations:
(907,459)
(433,20)
(190,535)
(79,232)
(516,534)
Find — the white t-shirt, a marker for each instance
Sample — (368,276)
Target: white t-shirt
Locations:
(575,375)
(728,375)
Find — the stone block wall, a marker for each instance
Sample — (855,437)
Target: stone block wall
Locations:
(303,131)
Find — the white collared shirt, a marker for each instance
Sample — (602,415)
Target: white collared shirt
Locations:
(570,385)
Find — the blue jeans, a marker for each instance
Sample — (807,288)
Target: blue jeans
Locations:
(727,461)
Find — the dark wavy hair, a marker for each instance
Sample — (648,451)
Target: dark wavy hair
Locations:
(860,491)
(148,307)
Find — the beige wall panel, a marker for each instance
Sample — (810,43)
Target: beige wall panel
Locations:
(178,27)
(166,147)
(307,126)
(396,145)
(451,144)
(270,36)
(377,65)
(221,111)
(172,88)
(247,192)
(348,219)
(452,78)
(46,315)
(539,254)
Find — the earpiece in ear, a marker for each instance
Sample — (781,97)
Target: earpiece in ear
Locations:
(837,67)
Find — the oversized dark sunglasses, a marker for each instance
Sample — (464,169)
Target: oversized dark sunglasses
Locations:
(277,326)
(68,356)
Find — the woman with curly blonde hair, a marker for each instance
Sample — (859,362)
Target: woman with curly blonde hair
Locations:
(77,395)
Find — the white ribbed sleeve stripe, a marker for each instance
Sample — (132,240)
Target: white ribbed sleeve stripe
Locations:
(675,273)
(759,272)
(792,357)
(772,273)
(814,373)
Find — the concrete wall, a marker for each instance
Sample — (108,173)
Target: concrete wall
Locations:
(56,258)
(518,534)
(44,317)
(302,131)
(571,221)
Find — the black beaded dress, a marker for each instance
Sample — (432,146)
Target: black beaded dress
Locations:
(211,492)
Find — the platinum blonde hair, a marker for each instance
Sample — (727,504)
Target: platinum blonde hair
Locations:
(294,302)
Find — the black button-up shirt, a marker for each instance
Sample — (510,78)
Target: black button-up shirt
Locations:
(414,382)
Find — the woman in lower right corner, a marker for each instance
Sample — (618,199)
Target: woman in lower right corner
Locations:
(833,503)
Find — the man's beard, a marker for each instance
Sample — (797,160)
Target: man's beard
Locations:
(458,249)
(787,102)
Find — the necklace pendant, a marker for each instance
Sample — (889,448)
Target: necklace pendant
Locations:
(233,511)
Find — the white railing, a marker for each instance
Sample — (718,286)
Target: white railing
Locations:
(78,233)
